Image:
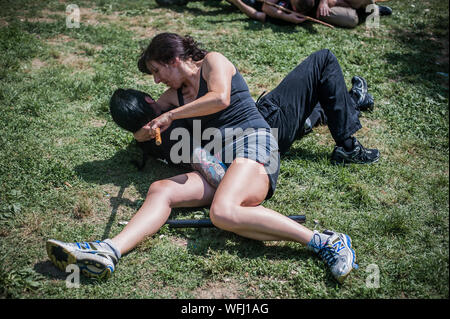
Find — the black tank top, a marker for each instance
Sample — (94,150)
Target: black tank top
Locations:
(241,113)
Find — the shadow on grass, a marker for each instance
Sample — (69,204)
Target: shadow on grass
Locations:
(202,242)
(119,171)
(427,54)
(299,153)
(48,270)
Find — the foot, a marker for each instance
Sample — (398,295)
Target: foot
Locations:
(363,99)
(359,154)
(337,252)
(95,259)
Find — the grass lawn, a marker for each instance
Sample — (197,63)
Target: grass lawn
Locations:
(65,170)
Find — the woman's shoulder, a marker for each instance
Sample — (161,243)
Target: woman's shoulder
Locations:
(213,54)
(215,57)
(216,60)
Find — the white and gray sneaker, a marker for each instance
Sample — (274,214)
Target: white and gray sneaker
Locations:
(362,98)
(95,259)
(336,250)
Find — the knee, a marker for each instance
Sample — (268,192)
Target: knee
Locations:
(324,57)
(160,188)
(223,215)
(331,58)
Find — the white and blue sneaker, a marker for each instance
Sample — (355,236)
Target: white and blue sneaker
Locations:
(336,250)
(95,259)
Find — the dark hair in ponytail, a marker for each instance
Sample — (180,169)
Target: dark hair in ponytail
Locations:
(165,47)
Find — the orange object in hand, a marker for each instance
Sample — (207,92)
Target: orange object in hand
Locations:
(158,140)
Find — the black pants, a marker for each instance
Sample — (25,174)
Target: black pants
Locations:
(318,78)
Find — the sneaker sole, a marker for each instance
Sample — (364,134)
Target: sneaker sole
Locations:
(343,161)
(61,258)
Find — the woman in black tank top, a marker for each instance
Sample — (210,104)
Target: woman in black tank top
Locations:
(207,87)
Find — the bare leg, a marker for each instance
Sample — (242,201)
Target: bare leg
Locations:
(252,13)
(186,190)
(236,208)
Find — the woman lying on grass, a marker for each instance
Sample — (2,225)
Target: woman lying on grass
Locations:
(206,89)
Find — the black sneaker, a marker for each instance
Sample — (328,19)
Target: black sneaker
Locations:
(384,10)
(363,99)
(359,154)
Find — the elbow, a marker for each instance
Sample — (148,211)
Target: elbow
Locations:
(223,100)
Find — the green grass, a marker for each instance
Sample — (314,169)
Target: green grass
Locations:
(65,169)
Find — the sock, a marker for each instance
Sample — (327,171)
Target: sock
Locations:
(113,248)
(317,241)
(348,144)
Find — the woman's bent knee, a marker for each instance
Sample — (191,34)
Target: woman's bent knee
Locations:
(223,215)
(161,189)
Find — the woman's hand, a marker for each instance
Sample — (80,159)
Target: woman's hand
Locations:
(148,131)
(162,122)
(323,10)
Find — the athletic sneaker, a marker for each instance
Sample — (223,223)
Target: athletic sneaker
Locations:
(95,259)
(363,99)
(359,154)
(337,252)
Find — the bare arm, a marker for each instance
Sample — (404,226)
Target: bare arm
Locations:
(280,14)
(217,71)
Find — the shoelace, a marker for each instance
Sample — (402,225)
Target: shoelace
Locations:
(87,245)
(328,254)
(362,154)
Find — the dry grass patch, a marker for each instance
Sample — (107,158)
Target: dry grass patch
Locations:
(59,40)
(67,56)
(179,242)
(36,64)
(226,289)
(98,122)
(77,62)
(92,17)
